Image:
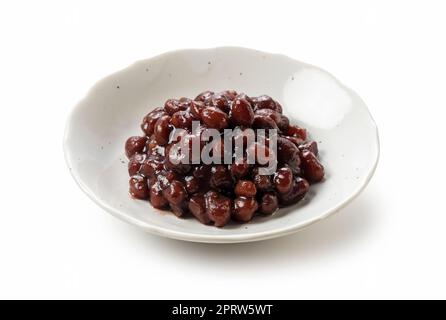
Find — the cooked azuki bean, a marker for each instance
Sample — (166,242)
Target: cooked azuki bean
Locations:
(230,94)
(181,119)
(202,172)
(245,188)
(148,123)
(162,130)
(152,145)
(295,131)
(313,170)
(196,107)
(243,95)
(175,193)
(283,180)
(138,187)
(175,160)
(221,177)
(287,152)
(241,113)
(165,177)
(220,101)
(185,102)
(156,196)
(197,207)
(298,190)
(276,116)
(262,182)
(173,105)
(278,107)
(269,203)
(218,208)
(192,184)
(244,208)
(284,123)
(135,145)
(151,165)
(214,118)
(239,170)
(311,146)
(204,96)
(263,122)
(296,141)
(135,163)
(266,102)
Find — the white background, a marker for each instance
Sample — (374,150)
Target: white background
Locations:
(389,243)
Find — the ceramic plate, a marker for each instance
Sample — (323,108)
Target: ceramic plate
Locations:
(335,116)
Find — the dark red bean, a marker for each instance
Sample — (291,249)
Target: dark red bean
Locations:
(192,184)
(173,105)
(287,152)
(240,170)
(229,94)
(152,165)
(162,130)
(241,113)
(263,182)
(165,177)
(295,131)
(218,208)
(138,187)
(283,180)
(196,108)
(245,188)
(221,177)
(148,123)
(281,121)
(269,203)
(204,96)
(311,146)
(202,172)
(175,160)
(313,170)
(276,116)
(220,101)
(296,141)
(298,190)
(135,163)
(185,102)
(135,145)
(152,147)
(156,196)
(263,122)
(244,208)
(197,207)
(279,107)
(182,119)
(214,118)
(284,123)
(175,193)
(266,102)
(243,95)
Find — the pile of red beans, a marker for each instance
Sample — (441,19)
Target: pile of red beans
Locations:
(216,193)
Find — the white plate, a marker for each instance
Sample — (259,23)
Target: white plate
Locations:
(111,112)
